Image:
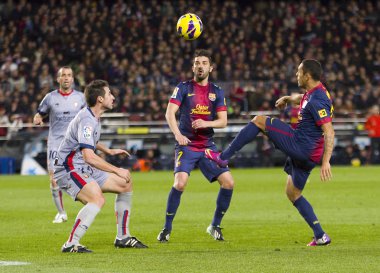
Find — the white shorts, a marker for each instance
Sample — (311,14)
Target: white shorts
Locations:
(72,182)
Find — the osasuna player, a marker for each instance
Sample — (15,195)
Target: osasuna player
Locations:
(310,143)
(84,175)
(61,106)
(202,107)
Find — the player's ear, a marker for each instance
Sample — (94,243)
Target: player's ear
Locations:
(211,68)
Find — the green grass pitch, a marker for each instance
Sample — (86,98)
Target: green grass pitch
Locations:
(263,231)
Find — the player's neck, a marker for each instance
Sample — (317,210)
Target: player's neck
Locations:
(97,110)
(203,82)
(312,84)
(65,91)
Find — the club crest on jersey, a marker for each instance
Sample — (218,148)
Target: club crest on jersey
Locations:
(174,95)
(212,96)
(322,113)
(87,132)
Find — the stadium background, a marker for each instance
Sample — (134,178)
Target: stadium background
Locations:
(132,44)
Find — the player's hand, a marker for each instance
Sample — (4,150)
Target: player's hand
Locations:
(125,174)
(326,174)
(199,123)
(119,152)
(281,102)
(182,140)
(37,120)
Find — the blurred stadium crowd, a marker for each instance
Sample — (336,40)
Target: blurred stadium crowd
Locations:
(256,47)
(133,44)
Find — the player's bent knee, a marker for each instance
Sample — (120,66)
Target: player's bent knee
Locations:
(260,121)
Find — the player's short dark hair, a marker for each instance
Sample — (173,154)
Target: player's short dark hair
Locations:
(204,53)
(93,90)
(313,67)
(61,68)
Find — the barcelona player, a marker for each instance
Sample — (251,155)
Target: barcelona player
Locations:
(202,107)
(310,143)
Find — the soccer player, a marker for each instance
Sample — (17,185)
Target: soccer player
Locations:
(61,106)
(310,143)
(84,175)
(202,107)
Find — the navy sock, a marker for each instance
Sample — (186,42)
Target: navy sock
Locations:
(172,206)
(307,212)
(246,135)
(222,203)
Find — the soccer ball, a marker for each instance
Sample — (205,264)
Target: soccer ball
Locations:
(189,26)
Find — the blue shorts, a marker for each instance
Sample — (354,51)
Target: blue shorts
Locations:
(298,165)
(186,160)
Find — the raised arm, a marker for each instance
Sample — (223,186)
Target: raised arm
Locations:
(295,98)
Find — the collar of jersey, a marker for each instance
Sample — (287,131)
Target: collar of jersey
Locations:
(65,94)
(89,109)
(320,85)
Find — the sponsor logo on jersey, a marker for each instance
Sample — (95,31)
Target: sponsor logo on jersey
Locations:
(200,110)
(322,113)
(87,132)
(212,96)
(174,95)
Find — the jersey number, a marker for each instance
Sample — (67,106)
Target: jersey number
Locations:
(178,162)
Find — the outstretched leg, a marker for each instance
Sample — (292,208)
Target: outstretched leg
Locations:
(246,135)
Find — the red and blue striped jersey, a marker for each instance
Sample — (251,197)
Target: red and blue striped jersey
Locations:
(315,110)
(198,102)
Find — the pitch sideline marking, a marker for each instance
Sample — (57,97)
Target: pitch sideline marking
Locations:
(6,263)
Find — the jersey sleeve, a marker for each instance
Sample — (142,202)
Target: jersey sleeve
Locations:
(44,107)
(178,94)
(321,110)
(85,133)
(221,104)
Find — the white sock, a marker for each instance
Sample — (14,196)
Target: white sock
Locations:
(57,199)
(123,204)
(83,221)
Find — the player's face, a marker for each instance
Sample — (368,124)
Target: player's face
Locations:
(108,99)
(201,68)
(65,79)
(301,77)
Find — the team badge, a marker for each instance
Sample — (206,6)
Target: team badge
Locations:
(322,113)
(212,96)
(87,132)
(174,95)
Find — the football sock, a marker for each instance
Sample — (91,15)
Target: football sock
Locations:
(307,212)
(172,206)
(222,203)
(246,135)
(57,199)
(123,204)
(83,221)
